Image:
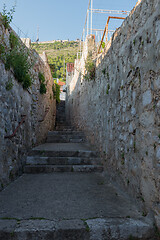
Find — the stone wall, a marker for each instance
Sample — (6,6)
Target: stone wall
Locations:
(120,109)
(15,102)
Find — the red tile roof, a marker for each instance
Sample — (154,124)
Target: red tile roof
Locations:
(61,83)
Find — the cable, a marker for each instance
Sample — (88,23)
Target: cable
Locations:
(25,35)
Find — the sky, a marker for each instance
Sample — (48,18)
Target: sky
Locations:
(60,19)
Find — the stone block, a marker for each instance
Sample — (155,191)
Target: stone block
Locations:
(147,119)
(147,98)
(158,154)
(157,31)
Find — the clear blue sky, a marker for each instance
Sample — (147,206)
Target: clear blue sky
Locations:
(59,19)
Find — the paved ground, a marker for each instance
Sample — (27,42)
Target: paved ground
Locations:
(69,206)
(64,196)
(64,147)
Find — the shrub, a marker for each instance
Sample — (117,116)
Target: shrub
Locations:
(90,67)
(27,81)
(15,57)
(7,17)
(2,49)
(41,77)
(9,85)
(19,62)
(56,92)
(13,40)
(43,88)
(103,44)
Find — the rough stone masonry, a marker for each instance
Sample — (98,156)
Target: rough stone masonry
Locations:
(120,109)
(15,102)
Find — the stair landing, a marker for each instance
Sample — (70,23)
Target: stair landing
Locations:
(69,206)
(63,195)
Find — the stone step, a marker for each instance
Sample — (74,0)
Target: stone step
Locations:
(61,160)
(61,153)
(67,132)
(62,123)
(62,168)
(61,118)
(64,137)
(76,229)
(64,140)
(64,128)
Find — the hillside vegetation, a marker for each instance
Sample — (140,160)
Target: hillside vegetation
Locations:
(59,54)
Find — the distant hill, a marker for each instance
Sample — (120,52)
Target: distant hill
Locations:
(59,53)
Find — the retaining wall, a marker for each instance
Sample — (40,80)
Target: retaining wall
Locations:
(40,110)
(120,109)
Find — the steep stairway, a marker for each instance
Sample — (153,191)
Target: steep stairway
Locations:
(65,150)
(62,196)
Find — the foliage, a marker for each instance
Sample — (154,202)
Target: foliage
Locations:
(58,53)
(19,62)
(108,88)
(9,85)
(41,77)
(104,71)
(7,17)
(2,49)
(103,44)
(56,92)
(15,57)
(27,81)
(43,88)
(13,40)
(90,68)
(54,89)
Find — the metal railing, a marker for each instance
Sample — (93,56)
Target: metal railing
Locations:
(15,131)
(89,26)
(106,31)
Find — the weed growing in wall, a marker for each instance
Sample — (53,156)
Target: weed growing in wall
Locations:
(18,61)
(13,40)
(7,17)
(15,57)
(103,45)
(43,89)
(56,92)
(108,88)
(104,71)
(2,49)
(90,68)
(9,85)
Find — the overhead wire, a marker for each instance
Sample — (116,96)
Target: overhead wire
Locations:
(19,30)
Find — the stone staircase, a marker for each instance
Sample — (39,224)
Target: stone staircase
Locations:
(65,150)
(68,201)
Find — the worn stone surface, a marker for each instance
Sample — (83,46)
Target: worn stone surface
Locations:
(65,196)
(93,229)
(15,102)
(119,110)
(70,206)
(119,229)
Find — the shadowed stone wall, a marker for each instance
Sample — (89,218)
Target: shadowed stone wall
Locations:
(39,109)
(120,109)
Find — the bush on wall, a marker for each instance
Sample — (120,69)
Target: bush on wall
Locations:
(43,88)
(15,56)
(90,68)
(56,92)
